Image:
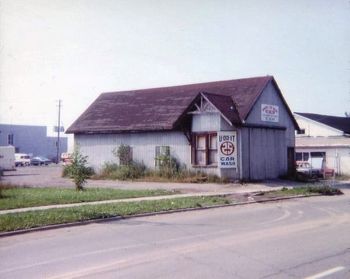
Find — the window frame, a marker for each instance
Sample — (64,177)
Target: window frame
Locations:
(207,149)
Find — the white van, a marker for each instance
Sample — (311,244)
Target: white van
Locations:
(22,159)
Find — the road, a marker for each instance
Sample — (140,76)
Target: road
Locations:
(301,238)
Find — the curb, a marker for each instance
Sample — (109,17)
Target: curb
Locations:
(117,218)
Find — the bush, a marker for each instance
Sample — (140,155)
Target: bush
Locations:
(325,190)
(133,170)
(78,170)
(67,171)
(167,166)
(124,153)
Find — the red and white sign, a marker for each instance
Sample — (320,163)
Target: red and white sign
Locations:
(269,113)
(227,153)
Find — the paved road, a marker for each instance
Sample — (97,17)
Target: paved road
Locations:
(304,238)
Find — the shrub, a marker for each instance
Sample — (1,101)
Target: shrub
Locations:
(167,166)
(78,170)
(133,170)
(124,153)
(325,190)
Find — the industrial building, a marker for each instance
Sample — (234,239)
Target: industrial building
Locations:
(32,140)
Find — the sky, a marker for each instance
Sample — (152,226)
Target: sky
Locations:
(74,50)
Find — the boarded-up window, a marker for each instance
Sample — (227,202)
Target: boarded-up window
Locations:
(213,149)
(161,151)
(201,150)
(125,155)
(205,149)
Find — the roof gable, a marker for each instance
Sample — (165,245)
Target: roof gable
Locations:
(161,108)
(336,122)
(225,106)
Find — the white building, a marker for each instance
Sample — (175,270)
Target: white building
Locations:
(324,136)
(240,129)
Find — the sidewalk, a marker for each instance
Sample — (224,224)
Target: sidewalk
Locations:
(202,194)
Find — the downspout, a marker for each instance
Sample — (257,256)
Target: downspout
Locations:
(249,166)
(240,156)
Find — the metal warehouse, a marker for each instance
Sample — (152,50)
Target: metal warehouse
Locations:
(239,129)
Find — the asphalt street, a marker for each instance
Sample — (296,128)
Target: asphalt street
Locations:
(301,238)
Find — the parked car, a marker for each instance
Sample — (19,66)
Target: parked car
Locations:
(66,158)
(40,160)
(305,169)
(22,159)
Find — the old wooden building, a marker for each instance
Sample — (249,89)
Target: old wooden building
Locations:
(240,129)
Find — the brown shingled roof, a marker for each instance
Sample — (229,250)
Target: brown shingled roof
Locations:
(160,108)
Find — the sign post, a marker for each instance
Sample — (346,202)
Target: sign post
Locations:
(227,149)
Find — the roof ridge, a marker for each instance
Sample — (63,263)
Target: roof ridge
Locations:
(186,85)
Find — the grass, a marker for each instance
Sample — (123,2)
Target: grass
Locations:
(307,190)
(16,197)
(138,172)
(32,219)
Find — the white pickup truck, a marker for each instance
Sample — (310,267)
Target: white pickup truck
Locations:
(22,159)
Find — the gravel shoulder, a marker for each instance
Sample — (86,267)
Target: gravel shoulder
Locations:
(50,176)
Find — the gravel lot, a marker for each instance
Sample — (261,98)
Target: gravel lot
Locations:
(50,176)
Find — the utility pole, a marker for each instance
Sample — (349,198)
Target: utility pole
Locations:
(58,132)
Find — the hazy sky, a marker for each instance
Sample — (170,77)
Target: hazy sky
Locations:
(74,50)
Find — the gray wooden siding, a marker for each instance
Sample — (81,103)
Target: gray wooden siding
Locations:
(206,122)
(271,97)
(264,153)
(99,147)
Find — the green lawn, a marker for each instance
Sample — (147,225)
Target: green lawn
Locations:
(28,197)
(32,219)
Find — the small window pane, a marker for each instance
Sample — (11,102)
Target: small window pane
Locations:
(318,154)
(213,143)
(306,156)
(213,155)
(201,142)
(298,156)
(200,156)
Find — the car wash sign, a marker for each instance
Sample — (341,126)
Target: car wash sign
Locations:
(269,113)
(227,149)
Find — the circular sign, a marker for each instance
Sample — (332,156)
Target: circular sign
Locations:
(227,148)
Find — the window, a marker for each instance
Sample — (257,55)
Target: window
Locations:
(10,139)
(302,156)
(125,155)
(160,152)
(301,132)
(204,149)
(318,154)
